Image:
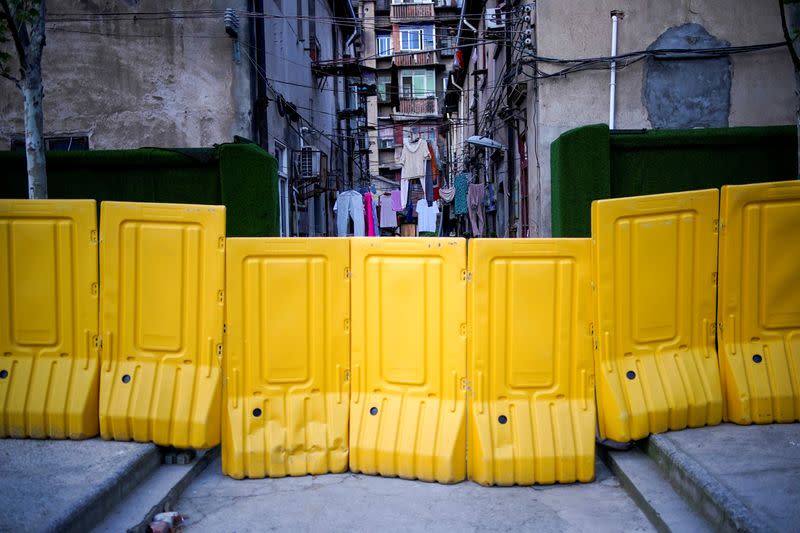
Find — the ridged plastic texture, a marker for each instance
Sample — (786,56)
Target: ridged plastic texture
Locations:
(408,361)
(286,387)
(655,274)
(162,303)
(48,319)
(531,400)
(759,302)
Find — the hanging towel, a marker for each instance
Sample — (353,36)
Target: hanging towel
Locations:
(462,184)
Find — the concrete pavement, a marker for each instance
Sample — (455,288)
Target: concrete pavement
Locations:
(745,478)
(354,502)
(62,485)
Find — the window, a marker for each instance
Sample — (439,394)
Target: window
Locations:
(445,42)
(384,88)
(411,39)
(384,45)
(416,38)
(424,132)
(282,155)
(385,137)
(66,143)
(418,83)
(395,2)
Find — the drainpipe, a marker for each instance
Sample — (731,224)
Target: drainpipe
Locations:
(460,20)
(349,5)
(615,16)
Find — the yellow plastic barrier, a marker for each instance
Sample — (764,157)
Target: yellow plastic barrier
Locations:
(287,358)
(759,302)
(162,301)
(531,406)
(655,273)
(408,362)
(48,319)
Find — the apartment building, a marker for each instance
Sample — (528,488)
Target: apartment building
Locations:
(136,74)
(410,46)
(529,71)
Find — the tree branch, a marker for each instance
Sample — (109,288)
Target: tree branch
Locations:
(11,78)
(788,36)
(15,34)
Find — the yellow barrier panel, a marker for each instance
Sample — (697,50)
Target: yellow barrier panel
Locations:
(408,362)
(655,273)
(531,406)
(759,302)
(287,358)
(162,301)
(48,319)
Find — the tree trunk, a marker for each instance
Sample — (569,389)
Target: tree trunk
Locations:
(33,93)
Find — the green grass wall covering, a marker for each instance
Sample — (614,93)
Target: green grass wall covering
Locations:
(659,161)
(198,175)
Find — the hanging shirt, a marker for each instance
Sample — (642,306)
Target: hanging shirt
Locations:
(388,215)
(412,160)
(426,216)
(397,203)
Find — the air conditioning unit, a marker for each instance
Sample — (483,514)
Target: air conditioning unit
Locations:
(385,144)
(495,18)
(308,163)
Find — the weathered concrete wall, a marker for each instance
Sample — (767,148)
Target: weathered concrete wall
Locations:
(290,75)
(762,83)
(125,83)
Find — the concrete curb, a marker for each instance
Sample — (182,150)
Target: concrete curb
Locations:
(718,504)
(644,482)
(94,507)
(169,500)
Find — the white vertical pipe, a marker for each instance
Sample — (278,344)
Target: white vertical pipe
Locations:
(612,105)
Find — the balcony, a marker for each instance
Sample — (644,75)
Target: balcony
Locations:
(411,59)
(418,106)
(401,13)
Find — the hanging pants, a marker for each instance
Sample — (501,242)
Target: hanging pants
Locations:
(475,206)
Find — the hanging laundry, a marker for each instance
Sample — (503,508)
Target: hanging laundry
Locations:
(429,181)
(433,151)
(369,219)
(409,212)
(349,205)
(476,215)
(412,160)
(426,216)
(397,203)
(388,215)
(375,197)
(490,197)
(461,184)
(447,194)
